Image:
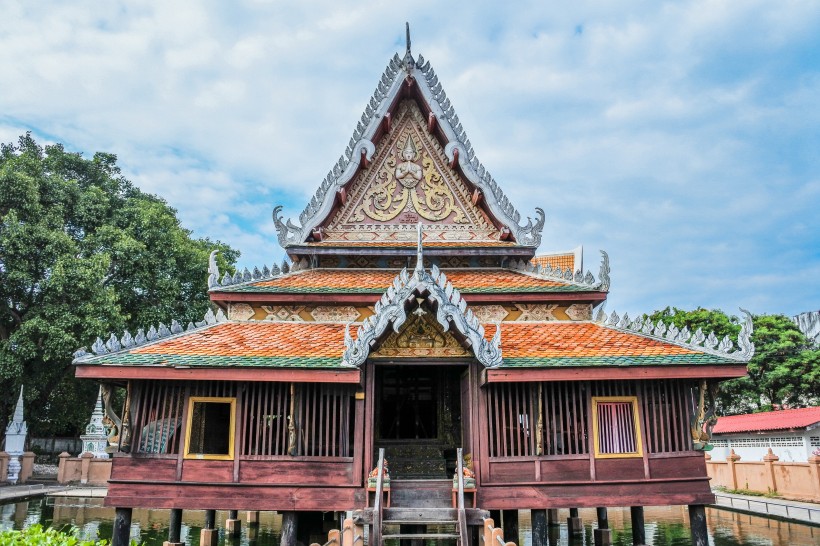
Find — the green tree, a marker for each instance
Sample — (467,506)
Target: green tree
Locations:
(785,369)
(82,253)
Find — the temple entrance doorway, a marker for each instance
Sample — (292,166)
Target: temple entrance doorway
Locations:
(418,418)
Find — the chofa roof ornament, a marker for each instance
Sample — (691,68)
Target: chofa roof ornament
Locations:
(697,341)
(458,150)
(451,308)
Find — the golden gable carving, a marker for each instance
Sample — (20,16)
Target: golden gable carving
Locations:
(421,335)
(409,181)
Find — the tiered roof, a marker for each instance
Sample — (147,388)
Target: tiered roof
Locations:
(443,180)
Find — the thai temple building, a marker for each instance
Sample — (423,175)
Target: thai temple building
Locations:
(415,363)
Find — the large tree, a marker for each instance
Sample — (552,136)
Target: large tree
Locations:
(784,371)
(82,253)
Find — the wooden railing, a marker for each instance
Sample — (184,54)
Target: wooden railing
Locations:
(493,536)
(350,535)
(377,503)
(462,515)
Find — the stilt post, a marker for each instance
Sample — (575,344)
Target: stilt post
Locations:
(638,528)
(552,517)
(697,521)
(122,527)
(174,527)
(509,523)
(603,534)
(233,525)
(210,519)
(539,527)
(289,523)
(574,524)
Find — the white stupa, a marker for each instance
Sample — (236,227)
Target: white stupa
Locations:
(95,440)
(16,432)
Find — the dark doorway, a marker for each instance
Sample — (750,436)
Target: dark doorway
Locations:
(418,418)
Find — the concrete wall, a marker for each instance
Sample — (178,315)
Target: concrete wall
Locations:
(799,481)
(84,469)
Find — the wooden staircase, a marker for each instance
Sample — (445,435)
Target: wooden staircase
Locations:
(420,511)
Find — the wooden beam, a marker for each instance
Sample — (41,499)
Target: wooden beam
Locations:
(432,122)
(97,371)
(698,371)
(476,199)
(386,122)
(454,162)
(364,162)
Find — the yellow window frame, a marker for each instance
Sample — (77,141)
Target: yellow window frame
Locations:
(214,400)
(635,424)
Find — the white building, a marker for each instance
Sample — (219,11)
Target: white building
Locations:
(792,434)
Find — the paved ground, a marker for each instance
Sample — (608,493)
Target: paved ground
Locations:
(11,493)
(801,512)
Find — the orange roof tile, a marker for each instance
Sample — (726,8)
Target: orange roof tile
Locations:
(255,339)
(563,261)
(468,281)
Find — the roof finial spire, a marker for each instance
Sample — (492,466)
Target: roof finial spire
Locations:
(407,26)
(419,253)
(408,61)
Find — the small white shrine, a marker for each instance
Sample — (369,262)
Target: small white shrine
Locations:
(95,440)
(16,432)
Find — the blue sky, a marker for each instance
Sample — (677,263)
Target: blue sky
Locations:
(681,137)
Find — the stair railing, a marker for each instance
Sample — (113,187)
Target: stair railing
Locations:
(462,514)
(492,535)
(377,504)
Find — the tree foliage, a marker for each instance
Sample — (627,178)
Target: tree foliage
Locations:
(82,253)
(784,371)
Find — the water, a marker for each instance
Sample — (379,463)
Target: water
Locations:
(665,526)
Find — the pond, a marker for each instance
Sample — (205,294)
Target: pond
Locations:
(665,526)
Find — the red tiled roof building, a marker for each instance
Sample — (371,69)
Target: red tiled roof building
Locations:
(415,321)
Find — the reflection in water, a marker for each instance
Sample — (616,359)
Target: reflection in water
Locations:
(665,526)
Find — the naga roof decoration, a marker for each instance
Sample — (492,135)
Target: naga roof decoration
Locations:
(361,147)
(260,280)
(567,276)
(697,341)
(127,341)
(450,308)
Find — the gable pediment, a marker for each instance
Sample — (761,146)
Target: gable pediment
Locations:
(421,336)
(409,181)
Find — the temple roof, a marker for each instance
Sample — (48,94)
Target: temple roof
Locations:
(584,344)
(410,111)
(373,281)
(321,345)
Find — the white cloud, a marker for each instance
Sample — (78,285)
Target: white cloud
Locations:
(679,136)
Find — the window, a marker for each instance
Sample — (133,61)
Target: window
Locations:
(210,433)
(615,426)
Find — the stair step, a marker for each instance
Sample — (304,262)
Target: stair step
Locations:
(423,536)
(419,521)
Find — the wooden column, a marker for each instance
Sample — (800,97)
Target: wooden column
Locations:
(539,527)
(552,517)
(209,535)
(174,527)
(574,524)
(697,522)
(638,529)
(233,525)
(122,527)
(509,519)
(603,534)
(289,525)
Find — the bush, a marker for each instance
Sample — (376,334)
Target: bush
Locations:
(37,535)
